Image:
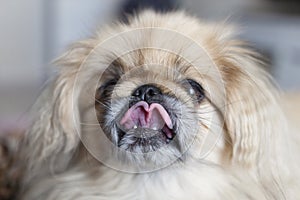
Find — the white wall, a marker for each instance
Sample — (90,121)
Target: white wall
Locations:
(32,34)
(220,9)
(279,36)
(69,20)
(20,42)
(265,28)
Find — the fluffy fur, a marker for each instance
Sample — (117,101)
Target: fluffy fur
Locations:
(230,145)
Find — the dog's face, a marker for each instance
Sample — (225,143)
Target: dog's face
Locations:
(154,111)
(158,107)
(160,93)
(142,113)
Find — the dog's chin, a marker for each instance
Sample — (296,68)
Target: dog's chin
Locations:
(144,140)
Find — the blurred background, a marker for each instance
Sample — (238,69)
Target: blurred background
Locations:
(34,32)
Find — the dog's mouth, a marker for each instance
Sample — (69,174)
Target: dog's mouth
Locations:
(145,127)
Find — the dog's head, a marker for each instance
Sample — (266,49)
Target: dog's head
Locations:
(153,109)
(163,88)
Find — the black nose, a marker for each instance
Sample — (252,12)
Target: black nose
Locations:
(148,93)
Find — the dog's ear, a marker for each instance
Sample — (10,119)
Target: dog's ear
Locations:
(54,131)
(252,115)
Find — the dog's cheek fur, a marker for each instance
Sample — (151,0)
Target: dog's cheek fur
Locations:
(52,139)
(253,119)
(251,102)
(251,99)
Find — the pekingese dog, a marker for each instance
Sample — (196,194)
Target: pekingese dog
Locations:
(163,107)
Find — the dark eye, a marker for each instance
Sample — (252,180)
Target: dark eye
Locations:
(106,89)
(195,89)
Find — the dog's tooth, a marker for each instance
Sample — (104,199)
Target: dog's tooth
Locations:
(135,127)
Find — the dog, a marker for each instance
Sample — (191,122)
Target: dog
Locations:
(165,106)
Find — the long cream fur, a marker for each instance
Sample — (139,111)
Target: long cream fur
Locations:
(253,163)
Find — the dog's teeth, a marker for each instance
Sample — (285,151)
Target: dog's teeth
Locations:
(169,135)
(135,126)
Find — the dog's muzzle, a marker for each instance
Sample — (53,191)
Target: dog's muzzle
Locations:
(146,122)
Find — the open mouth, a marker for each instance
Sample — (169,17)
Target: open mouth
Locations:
(146,125)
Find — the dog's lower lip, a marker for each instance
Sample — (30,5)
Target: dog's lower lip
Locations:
(166,131)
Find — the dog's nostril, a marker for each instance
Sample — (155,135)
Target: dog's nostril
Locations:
(136,93)
(146,92)
(151,92)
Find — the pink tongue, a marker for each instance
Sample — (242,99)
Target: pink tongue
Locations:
(145,116)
